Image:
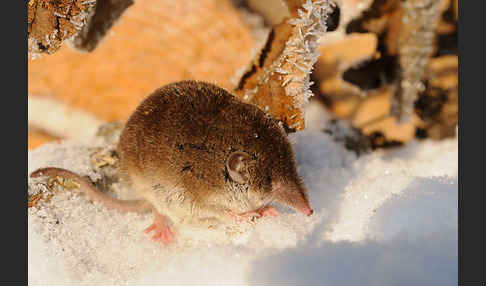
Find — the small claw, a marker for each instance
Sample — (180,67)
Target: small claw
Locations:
(150,228)
(168,236)
(165,236)
(156,236)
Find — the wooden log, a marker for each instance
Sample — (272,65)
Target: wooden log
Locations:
(153,43)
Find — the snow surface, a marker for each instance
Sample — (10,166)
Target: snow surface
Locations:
(386,218)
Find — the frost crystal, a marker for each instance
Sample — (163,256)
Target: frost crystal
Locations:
(301,52)
(415,46)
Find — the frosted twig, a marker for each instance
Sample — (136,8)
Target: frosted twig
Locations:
(415,45)
(296,59)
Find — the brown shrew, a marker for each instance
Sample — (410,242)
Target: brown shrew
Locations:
(196,154)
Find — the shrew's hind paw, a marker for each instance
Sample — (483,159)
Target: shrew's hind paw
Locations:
(162,231)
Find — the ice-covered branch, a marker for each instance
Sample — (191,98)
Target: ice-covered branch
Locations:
(81,22)
(278,79)
(415,46)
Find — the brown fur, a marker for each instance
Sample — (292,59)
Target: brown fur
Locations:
(174,152)
(182,134)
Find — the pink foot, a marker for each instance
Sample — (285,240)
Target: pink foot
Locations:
(267,211)
(163,233)
(248,216)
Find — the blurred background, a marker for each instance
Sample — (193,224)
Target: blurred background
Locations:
(126,49)
(386,77)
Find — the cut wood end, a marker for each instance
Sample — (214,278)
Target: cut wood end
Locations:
(142,53)
(51,22)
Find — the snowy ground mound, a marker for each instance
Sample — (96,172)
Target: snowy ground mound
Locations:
(387,218)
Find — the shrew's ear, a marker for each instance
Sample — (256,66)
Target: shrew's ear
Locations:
(237,166)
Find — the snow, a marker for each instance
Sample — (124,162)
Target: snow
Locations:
(385,218)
